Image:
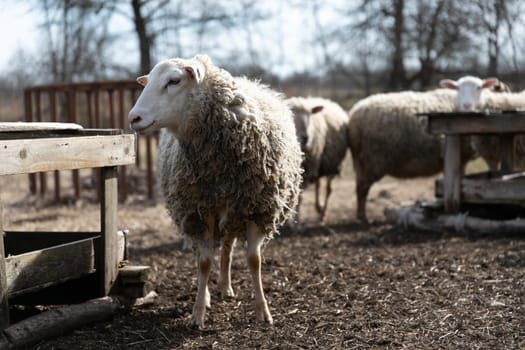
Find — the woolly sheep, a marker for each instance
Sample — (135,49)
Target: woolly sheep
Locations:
(321,127)
(472,97)
(387,138)
(229,164)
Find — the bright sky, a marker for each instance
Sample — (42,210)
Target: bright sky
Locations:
(19,30)
(285,44)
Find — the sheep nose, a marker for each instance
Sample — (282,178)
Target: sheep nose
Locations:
(135,119)
(467,106)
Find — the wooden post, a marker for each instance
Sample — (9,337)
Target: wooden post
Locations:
(452,173)
(72,117)
(107,262)
(28,111)
(507,153)
(54,118)
(123,193)
(4,306)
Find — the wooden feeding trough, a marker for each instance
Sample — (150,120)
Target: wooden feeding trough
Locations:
(459,195)
(84,264)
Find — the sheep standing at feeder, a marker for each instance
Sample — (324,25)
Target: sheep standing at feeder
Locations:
(473,96)
(322,129)
(386,137)
(230,164)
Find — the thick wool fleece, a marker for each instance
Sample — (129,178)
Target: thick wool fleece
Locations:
(232,168)
(388,138)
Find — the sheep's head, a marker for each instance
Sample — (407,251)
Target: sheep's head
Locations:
(469,91)
(166,89)
(303,123)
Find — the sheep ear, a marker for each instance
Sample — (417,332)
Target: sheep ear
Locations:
(196,71)
(143,80)
(489,82)
(317,109)
(449,84)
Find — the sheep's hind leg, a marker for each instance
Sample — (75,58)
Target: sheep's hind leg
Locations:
(225,283)
(205,251)
(255,238)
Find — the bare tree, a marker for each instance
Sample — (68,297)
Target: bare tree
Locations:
(496,16)
(438,32)
(143,18)
(75,39)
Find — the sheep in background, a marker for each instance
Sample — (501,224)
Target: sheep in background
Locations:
(468,99)
(473,96)
(321,127)
(387,138)
(230,164)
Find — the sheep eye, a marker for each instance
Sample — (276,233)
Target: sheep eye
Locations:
(173,82)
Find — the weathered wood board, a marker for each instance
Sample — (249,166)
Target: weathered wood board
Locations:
(54,264)
(32,126)
(65,153)
(476,123)
(485,189)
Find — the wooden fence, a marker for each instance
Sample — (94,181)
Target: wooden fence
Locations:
(95,105)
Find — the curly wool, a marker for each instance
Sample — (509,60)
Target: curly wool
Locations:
(232,168)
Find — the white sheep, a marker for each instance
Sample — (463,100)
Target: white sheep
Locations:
(229,164)
(322,129)
(387,138)
(473,95)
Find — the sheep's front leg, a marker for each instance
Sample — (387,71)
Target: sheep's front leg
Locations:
(205,251)
(225,282)
(255,238)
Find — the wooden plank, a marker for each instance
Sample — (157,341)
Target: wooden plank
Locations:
(507,153)
(452,173)
(35,134)
(40,126)
(108,264)
(489,191)
(4,306)
(134,274)
(45,267)
(476,123)
(36,155)
(20,242)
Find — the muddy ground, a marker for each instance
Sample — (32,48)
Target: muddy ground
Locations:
(341,285)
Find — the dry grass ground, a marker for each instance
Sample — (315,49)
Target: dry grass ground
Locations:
(342,285)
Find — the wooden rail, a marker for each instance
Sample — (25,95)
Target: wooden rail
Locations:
(97,105)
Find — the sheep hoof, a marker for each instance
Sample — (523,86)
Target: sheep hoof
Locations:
(263,314)
(266,318)
(226,293)
(196,325)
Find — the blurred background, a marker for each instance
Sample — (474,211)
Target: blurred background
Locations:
(343,50)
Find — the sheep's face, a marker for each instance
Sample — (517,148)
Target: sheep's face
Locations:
(304,126)
(469,91)
(163,101)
